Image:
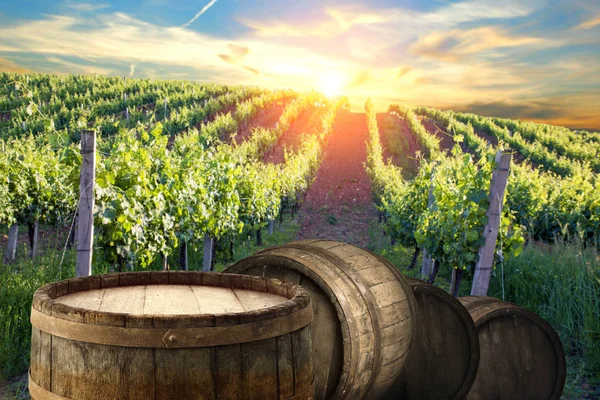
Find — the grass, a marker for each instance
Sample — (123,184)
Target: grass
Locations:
(560,283)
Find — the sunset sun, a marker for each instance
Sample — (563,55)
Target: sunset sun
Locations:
(331,85)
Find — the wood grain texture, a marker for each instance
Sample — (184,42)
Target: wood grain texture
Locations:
(171,300)
(521,355)
(279,367)
(363,313)
(444,354)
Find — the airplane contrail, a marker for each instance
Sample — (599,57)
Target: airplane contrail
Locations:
(206,7)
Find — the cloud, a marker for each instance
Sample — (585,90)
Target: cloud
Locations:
(236,56)
(85,7)
(118,38)
(253,70)
(9,66)
(589,24)
(454,45)
(337,21)
(131,69)
(574,111)
(204,9)
(349,17)
(282,29)
(474,10)
(341,19)
(237,53)
(539,109)
(359,79)
(402,71)
(79,68)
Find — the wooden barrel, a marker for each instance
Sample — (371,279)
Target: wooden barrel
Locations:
(521,356)
(444,354)
(363,313)
(171,335)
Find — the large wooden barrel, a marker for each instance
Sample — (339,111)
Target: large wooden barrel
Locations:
(363,313)
(171,335)
(521,356)
(444,354)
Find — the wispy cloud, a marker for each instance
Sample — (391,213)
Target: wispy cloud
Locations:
(589,24)
(204,9)
(457,43)
(85,7)
(10,66)
(359,79)
(474,10)
(131,69)
(342,19)
(576,112)
(79,68)
(119,38)
(337,20)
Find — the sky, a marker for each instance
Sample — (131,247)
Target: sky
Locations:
(535,60)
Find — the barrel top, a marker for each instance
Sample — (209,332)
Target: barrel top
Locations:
(171,300)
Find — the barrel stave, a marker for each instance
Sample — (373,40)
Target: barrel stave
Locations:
(521,355)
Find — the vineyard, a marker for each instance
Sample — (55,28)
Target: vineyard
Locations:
(186,173)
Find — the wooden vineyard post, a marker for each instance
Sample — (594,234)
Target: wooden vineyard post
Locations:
(483,269)
(34,237)
(85,222)
(270,227)
(208,253)
(455,281)
(183,255)
(126,108)
(258,237)
(11,249)
(427,260)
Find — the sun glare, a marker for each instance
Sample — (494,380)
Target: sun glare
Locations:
(331,85)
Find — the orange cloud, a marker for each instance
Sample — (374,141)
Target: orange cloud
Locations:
(360,79)
(402,71)
(9,66)
(79,68)
(589,24)
(237,53)
(455,44)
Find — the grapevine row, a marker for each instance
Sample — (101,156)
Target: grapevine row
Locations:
(545,203)
(443,209)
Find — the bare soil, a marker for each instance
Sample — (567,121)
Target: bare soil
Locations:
(338,204)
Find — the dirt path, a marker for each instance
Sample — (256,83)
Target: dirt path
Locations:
(338,204)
